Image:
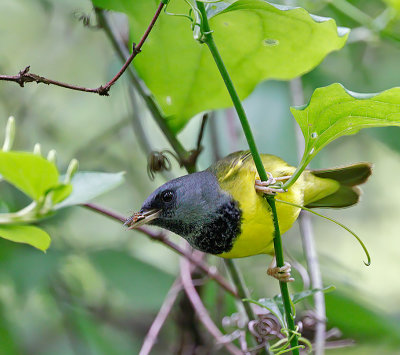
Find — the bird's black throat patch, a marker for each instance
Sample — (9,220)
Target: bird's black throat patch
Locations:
(201,212)
(219,233)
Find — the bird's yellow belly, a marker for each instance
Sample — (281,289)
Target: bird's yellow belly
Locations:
(257,229)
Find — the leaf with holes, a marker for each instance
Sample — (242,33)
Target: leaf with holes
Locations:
(334,111)
(257,41)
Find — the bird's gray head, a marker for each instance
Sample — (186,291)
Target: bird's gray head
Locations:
(182,205)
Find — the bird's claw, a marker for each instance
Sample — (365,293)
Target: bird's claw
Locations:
(281,273)
(269,187)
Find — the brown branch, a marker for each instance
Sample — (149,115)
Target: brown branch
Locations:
(191,160)
(161,237)
(201,310)
(161,317)
(201,132)
(24,76)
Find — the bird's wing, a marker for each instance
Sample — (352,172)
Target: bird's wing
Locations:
(230,165)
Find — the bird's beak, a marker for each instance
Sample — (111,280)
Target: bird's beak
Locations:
(141,217)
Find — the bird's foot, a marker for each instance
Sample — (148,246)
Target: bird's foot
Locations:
(280,273)
(272,186)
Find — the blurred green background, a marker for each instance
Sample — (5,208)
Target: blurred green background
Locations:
(98,288)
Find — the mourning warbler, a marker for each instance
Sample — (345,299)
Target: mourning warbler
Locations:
(219,211)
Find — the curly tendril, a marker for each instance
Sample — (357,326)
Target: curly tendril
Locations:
(158,161)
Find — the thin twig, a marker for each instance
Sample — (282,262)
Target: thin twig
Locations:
(161,237)
(201,132)
(191,160)
(307,235)
(214,136)
(136,49)
(201,310)
(25,76)
(161,317)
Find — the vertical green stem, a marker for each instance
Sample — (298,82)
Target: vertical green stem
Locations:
(283,285)
(208,39)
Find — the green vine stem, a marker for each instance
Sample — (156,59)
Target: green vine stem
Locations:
(208,39)
(287,304)
(302,165)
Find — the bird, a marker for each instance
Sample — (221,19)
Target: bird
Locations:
(221,210)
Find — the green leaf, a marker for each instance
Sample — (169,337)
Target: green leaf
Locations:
(30,173)
(31,235)
(61,192)
(297,297)
(88,185)
(334,111)
(257,41)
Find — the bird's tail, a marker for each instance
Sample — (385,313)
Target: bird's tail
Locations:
(345,193)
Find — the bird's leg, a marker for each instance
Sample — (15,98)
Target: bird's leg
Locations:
(280,273)
(270,187)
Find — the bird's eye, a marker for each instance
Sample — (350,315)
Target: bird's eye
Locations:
(167,196)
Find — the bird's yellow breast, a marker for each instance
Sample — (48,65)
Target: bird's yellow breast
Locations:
(257,228)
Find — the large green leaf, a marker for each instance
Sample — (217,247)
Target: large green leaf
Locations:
(30,173)
(31,235)
(334,112)
(257,41)
(88,185)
